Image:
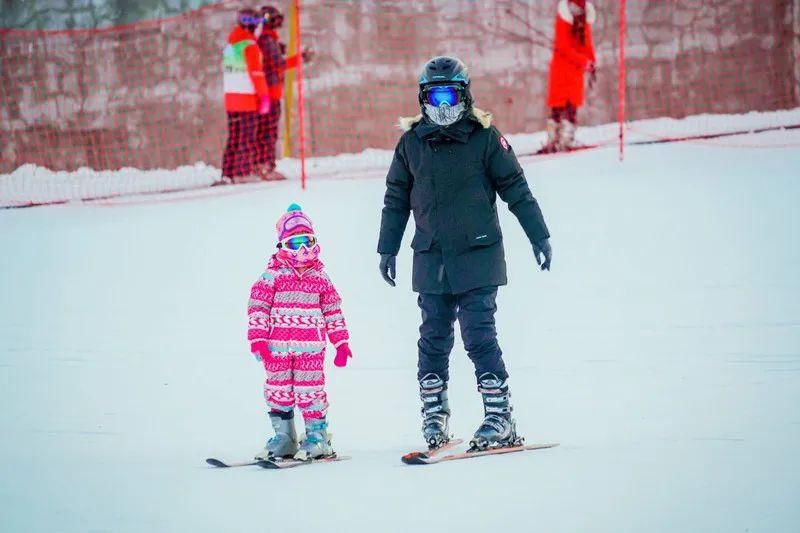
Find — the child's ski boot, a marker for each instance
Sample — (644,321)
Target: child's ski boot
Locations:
(317,442)
(284,443)
(435,410)
(498,429)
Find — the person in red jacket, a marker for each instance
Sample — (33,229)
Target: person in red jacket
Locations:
(246,97)
(275,66)
(573,55)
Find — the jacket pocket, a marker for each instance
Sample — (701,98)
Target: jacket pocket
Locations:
(421,241)
(479,238)
(483,238)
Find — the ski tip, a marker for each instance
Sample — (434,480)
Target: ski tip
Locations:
(415,458)
(216,462)
(268,464)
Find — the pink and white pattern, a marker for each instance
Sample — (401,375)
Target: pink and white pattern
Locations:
(294,313)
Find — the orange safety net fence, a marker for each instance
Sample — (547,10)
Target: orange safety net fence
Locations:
(150,95)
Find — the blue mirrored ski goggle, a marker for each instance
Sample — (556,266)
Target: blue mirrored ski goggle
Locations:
(437,95)
(248,20)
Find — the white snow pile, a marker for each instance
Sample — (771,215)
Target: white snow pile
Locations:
(32,185)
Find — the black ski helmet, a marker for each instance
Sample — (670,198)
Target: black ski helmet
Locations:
(445,70)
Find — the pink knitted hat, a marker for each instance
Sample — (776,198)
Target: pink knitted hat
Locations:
(293,222)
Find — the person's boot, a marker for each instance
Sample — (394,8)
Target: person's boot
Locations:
(224,180)
(269,173)
(567,136)
(317,442)
(284,443)
(498,429)
(435,410)
(553,138)
(274,175)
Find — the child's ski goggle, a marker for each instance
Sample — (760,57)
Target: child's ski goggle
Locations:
(437,95)
(295,242)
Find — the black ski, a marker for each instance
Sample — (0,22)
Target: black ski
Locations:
(222,464)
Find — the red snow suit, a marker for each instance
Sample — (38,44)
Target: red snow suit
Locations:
(570,59)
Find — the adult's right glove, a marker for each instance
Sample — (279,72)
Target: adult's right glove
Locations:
(308,54)
(542,248)
(388,268)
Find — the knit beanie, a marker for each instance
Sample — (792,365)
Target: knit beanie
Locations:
(293,222)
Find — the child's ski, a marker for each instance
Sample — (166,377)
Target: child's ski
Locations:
(292,463)
(222,464)
(426,459)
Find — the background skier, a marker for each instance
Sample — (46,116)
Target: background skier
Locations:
(275,66)
(246,97)
(448,168)
(573,55)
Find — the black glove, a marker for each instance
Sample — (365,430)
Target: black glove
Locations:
(543,247)
(388,264)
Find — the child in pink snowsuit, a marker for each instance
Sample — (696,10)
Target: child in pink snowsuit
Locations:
(293,310)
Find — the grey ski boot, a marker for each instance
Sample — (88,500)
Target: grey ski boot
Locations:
(435,410)
(284,443)
(317,441)
(498,429)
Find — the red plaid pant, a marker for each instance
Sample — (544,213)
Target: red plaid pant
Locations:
(242,145)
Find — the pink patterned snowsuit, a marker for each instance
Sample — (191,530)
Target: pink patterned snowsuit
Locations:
(293,312)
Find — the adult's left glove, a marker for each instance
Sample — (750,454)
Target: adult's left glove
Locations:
(388,268)
(542,248)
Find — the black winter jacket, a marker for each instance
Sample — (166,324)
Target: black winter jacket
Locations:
(449,177)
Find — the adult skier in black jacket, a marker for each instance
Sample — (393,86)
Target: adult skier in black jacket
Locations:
(448,168)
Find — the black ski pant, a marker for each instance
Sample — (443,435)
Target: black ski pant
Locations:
(475,311)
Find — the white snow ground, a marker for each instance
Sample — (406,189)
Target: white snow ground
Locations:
(662,352)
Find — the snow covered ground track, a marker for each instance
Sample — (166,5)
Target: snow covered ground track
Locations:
(662,352)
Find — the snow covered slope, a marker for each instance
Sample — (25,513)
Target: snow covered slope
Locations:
(662,351)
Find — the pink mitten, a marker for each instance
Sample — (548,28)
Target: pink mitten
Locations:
(260,350)
(265,105)
(342,353)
